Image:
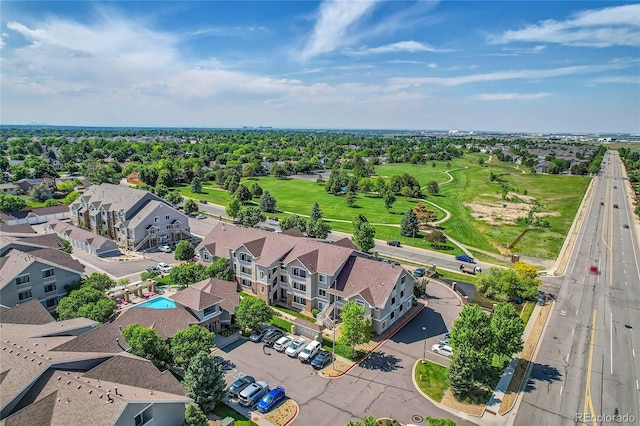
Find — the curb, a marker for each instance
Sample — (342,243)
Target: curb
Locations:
(294,414)
(382,342)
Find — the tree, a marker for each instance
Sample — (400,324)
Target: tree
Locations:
(147,275)
(433,421)
(409,226)
(187,343)
(242,194)
(389,199)
(87,302)
(174,197)
(436,238)
(204,381)
(363,233)
(250,216)
(146,343)
(233,208)
(67,248)
(316,213)
(188,273)
(161,190)
(165,177)
(184,251)
(318,229)
(221,269)
(11,203)
(268,203)
(99,281)
(466,370)
(350,198)
(252,313)
(424,215)
(40,192)
(507,285)
(472,329)
(190,206)
(294,221)
(196,185)
(70,198)
(256,190)
(193,416)
(433,187)
(355,328)
(507,327)
(51,203)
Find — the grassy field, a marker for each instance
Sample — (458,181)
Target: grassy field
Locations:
(432,379)
(222,410)
(210,192)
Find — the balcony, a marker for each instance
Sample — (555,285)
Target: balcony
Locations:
(49,280)
(24,286)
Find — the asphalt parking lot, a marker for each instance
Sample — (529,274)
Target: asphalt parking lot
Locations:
(380,385)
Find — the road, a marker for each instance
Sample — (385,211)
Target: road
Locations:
(587,364)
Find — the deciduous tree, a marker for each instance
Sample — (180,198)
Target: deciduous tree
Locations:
(268,203)
(187,343)
(184,251)
(242,194)
(507,327)
(233,207)
(250,216)
(11,203)
(190,206)
(252,313)
(433,187)
(40,192)
(355,328)
(87,302)
(363,233)
(146,343)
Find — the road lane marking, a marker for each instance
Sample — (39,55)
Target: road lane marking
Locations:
(573,331)
(611,338)
(587,394)
(634,352)
(561,386)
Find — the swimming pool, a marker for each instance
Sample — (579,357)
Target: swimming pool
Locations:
(158,303)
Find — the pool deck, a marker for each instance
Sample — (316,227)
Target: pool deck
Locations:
(137,301)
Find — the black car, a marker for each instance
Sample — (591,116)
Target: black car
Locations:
(237,386)
(203,201)
(394,243)
(321,360)
(257,335)
(270,338)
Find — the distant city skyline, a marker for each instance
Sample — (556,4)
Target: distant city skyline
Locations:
(549,67)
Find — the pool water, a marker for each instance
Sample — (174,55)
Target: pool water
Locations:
(158,303)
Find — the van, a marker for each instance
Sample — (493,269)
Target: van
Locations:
(309,351)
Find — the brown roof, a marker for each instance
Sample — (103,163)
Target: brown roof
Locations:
(227,291)
(166,322)
(103,339)
(135,371)
(304,323)
(345,242)
(195,299)
(15,261)
(293,232)
(31,312)
(21,228)
(374,281)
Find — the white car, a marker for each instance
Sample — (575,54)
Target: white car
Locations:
(165,249)
(309,351)
(164,268)
(296,347)
(282,343)
(442,349)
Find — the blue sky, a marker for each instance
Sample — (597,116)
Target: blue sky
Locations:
(560,66)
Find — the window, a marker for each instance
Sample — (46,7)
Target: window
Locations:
(210,310)
(23,279)
(50,303)
(261,289)
(404,277)
(401,306)
(167,217)
(299,286)
(299,272)
(167,227)
(393,314)
(25,295)
(245,270)
(261,275)
(393,300)
(299,300)
(283,279)
(359,302)
(46,273)
(322,292)
(339,298)
(246,283)
(322,278)
(156,219)
(283,266)
(402,294)
(49,288)
(207,257)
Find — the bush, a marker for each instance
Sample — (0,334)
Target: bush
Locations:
(315,312)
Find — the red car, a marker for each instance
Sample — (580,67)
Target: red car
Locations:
(593,270)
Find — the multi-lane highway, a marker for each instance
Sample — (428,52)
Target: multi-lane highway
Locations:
(587,370)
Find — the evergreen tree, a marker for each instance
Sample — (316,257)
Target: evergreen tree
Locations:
(268,203)
(318,229)
(193,416)
(196,185)
(409,226)
(204,381)
(190,206)
(256,190)
(350,198)
(233,208)
(363,233)
(316,213)
(388,198)
(243,194)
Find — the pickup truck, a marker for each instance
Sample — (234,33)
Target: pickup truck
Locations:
(465,258)
(470,269)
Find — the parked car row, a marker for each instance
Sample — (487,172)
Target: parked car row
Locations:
(249,393)
(294,347)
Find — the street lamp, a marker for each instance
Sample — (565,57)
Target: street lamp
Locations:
(424,353)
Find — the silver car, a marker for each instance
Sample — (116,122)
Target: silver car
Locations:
(296,347)
(442,349)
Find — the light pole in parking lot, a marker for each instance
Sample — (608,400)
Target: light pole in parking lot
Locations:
(424,352)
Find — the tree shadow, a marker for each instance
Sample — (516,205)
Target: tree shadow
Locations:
(542,375)
(381,361)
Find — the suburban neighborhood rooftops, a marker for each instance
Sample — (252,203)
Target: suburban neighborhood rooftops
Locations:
(31,312)
(15,261)
(77,234)
(227,291)
(164,323)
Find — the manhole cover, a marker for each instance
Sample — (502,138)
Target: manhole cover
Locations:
(417,419)
(311,373)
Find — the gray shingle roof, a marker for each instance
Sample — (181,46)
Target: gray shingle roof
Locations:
(15,261)
(226,291)
(78,234)
(166,322)
(31,312)
(118,197)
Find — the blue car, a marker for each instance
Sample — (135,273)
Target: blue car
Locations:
(465,258)
(271,399)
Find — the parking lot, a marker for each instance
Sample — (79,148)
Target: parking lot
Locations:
(380,385)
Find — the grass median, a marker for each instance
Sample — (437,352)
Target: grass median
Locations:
(431,379)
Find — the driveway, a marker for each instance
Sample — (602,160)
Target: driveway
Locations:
(380,385)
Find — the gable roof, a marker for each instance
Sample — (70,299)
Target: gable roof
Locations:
(373,281)
(31,312)
(166,322)
(195,299)
(226,291)
(15,261)
(345,242)
(113,198)
(21,228)
(78,234)
(103,339)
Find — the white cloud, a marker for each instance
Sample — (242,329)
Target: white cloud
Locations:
(510,96)
(432,65)
(612,26)
(509,75)
(401,46)
(623,79)
(336,21)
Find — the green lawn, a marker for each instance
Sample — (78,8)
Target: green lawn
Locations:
(223,410)
(431,379)
(527,311)
(210,192)
(454,276)
(294,313)
(341,350)
(283,324)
